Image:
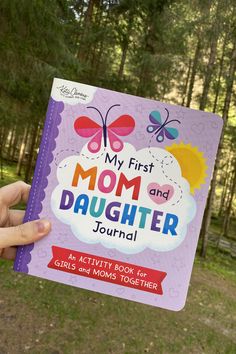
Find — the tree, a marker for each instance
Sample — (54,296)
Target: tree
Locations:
(28,62)
(214,36)
(208,210)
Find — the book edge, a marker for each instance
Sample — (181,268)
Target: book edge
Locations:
(42,171)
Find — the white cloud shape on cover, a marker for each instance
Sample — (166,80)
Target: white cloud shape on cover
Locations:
(166,171)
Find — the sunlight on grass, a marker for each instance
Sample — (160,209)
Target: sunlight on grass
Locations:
(219,262)
(9,174)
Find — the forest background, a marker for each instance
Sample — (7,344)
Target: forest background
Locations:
(181,52)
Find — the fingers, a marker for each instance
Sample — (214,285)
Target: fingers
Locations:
(15,217)
(14,193)
(24,234)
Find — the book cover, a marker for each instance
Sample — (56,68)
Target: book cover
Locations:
(124,181)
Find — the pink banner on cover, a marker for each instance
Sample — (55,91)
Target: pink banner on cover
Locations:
(107,270)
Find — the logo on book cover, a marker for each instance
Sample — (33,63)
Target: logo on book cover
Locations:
(72,92)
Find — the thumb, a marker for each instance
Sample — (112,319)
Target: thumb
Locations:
(24,234)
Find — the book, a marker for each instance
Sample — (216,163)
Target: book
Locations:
(124,181)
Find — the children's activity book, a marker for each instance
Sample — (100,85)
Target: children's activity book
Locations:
(124,181)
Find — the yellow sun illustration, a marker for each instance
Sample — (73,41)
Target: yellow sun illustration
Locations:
(192,162)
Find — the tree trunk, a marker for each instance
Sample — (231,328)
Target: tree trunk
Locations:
(208,210)
(96,66)
(31,153)
(123,59)
(228,192)
(208,76)
(186,82)
(98,49)
(14,147)
(194,71)
(39,135)
(225,188)
(125,45)
(145,73)
(4,139)
(230,82)
(146,77)
(22,151)
(215,30)
(207,214)
(229,206)
(217,91)
(84,47)
(12,132)
(93,52)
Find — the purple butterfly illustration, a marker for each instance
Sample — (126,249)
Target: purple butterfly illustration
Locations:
(159,128)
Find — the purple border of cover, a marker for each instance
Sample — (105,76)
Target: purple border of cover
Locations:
(42,170)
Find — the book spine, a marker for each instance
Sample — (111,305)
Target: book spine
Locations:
(40,181)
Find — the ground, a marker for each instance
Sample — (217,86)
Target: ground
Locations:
(42,317)
(39,316)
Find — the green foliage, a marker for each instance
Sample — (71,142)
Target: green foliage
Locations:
(33,50)
(177,51)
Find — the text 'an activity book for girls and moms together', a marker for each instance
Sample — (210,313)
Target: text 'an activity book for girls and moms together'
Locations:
(124,181)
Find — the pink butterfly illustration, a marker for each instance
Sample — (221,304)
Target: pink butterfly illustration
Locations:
(122,126)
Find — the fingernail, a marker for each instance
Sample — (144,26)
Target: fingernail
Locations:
(43,226)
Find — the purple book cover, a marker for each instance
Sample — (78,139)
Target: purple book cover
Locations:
(124,181)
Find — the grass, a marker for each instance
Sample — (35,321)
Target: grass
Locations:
(39,316)
(9,173)
(10,176)
(218,262)
(55,318)
(216,227)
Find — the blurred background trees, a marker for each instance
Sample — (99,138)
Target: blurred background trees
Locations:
(181,52)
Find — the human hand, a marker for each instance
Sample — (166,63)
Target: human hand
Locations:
(12,231)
